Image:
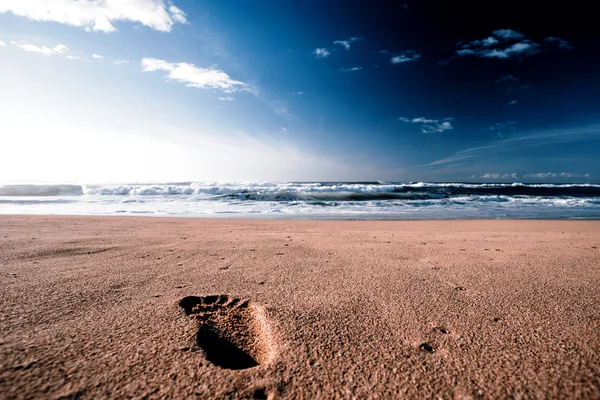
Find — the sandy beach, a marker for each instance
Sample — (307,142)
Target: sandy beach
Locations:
(111,307)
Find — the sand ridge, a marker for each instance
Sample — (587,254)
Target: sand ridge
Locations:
(127,307)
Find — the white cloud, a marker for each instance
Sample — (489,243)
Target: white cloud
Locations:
(97,15)
(490,41)
(421,120)
(71,57)
(351,69)
(491,175)
(562,43)
(193,76)
(430,125)
(508,34)
(346,43)
(47,51)
(405,56)
(512,102)
(541,175)
(297,93)
(177,14)
(444,126)
(2,43)
(321,52)
(227,98)
(525,48)
(120,62)
(507,44)
(97,56)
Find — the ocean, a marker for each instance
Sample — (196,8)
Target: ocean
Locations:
(310,200)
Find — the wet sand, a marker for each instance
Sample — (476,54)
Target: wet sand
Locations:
(108,307)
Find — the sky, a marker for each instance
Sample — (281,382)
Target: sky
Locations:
(198,90)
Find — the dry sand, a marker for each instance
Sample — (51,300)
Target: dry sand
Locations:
(170,308)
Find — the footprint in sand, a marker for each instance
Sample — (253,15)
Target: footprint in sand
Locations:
(233,333)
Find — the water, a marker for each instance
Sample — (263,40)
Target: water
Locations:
(310,200)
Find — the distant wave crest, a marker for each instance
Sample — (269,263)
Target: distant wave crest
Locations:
(308,191)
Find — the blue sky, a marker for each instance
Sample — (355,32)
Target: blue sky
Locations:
(272,90)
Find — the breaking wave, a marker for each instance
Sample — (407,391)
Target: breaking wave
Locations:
(371,200)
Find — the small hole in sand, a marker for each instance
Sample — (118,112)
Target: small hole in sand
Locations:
(426,347)
(259,394)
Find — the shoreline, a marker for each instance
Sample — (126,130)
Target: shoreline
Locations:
(247,217)
(114,306)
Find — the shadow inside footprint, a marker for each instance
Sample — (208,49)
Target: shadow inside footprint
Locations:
(221,352)
(230,331)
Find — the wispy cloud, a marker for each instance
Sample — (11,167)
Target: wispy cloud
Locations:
(517,88)
(430,125)
(297,93)
(60,49)
(507,78)
(554,175)
(120,62)
(512,102)
(354,69)
(192,76)
(562,43)
(2,43)
(283,109)
(93,15)
(510,125)
(516,143)
(97,56)
(321,52)
(501,128)
(227,98)
(402,57)
(507,44)
(346,43)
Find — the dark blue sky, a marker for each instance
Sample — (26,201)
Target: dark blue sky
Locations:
(392,90)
